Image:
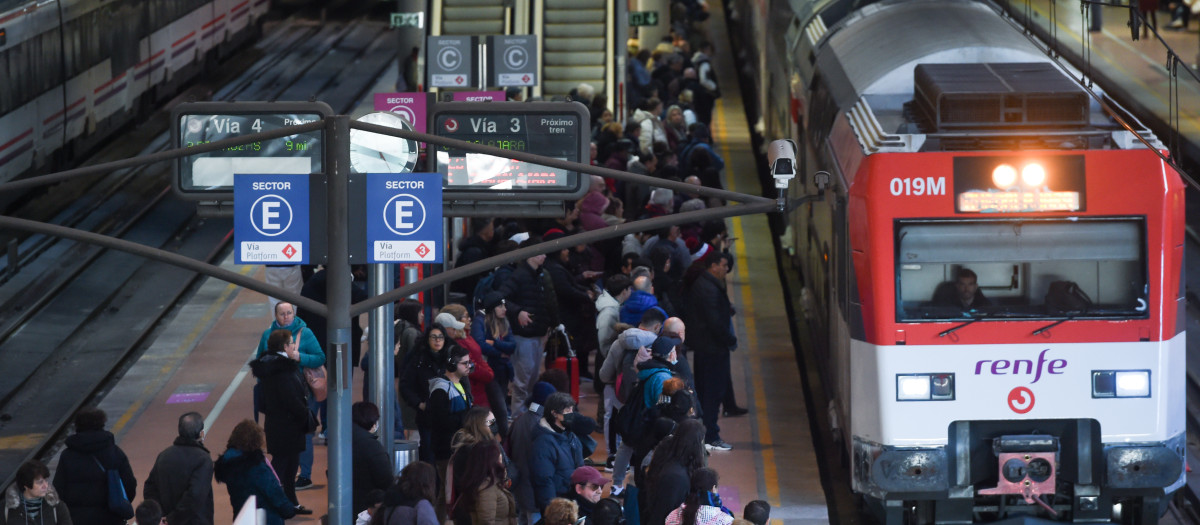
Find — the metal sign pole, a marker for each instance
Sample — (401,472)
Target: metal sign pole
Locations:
(382,359)
(341,473)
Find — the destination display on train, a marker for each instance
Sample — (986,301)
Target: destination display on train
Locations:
(212,172)
(555,135)
(1019,185)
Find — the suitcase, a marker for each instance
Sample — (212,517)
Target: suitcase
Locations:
(567,363)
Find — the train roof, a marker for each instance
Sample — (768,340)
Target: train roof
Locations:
(876,49)
(868,61)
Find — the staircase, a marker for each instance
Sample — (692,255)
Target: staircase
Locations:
(574,36)
(472,17)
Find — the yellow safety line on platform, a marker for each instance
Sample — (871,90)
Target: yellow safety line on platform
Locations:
(173,363)
(770,473)
(1153,92)
(21,441)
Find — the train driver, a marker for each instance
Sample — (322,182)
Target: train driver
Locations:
(965,292)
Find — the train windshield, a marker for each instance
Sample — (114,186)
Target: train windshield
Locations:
(1021,269)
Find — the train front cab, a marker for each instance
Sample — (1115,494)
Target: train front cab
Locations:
(1059,392)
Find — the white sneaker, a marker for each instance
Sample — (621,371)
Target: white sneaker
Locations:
(615,491)
(718,444)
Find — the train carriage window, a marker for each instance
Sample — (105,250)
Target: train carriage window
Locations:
(51,58)
(7,102)
(1088,268)
(19,77)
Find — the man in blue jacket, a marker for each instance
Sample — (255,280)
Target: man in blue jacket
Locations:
(557,452)
(639,301)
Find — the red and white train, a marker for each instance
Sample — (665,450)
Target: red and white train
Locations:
(72,71)
(996,268)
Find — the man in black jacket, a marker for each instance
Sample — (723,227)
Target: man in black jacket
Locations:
(181,479)
(528,295)
(285,408)
(712,339)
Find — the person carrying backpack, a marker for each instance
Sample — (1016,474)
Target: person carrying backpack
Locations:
(619,374)
(642,406)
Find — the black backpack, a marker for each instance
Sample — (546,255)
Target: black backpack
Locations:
(635,417)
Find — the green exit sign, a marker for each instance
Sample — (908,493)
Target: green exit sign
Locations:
(643,18)
(416,20)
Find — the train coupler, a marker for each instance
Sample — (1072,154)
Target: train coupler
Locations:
(1028,467)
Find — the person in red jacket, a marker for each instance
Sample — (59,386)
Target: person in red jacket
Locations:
(457,321)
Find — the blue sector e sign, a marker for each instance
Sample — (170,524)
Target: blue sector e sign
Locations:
(270,223)
(404,217)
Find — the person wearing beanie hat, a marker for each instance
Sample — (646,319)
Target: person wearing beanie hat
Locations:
(541,391)
(587,487)
(553,234)
(557,451)
(491,331)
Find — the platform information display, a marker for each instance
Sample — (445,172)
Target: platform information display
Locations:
(209,176)
(270,219)
(404,218)
(557,130)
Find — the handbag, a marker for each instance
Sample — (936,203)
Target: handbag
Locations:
(118,502)
(317,382)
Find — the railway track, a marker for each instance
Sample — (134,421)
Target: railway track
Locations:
(72,316)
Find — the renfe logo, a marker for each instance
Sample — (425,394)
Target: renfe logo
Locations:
(1015,367)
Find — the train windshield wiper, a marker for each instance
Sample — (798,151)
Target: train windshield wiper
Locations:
(974,319)
(1054,324)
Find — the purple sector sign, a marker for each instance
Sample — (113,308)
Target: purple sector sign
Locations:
(410,106)
(478,96)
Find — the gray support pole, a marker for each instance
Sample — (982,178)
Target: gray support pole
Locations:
(410,276)
(382,359)
(341,474)
(622,59)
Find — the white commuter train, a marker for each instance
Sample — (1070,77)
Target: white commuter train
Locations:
(72,71)
(1054,391)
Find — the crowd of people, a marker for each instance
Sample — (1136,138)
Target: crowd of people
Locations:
(483,384)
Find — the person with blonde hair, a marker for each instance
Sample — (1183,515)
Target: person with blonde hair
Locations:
(560,511)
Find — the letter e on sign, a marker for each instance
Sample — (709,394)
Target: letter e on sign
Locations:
(404,214)
(271,215)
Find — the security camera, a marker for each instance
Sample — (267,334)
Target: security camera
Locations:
(781,154)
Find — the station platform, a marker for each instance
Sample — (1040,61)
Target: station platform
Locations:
(1133,72)
(199,362)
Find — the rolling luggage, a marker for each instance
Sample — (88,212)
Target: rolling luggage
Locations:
(564,359)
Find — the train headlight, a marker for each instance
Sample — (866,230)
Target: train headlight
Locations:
(924,387)
(1033,175)
(1120,383)
(1004,176)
